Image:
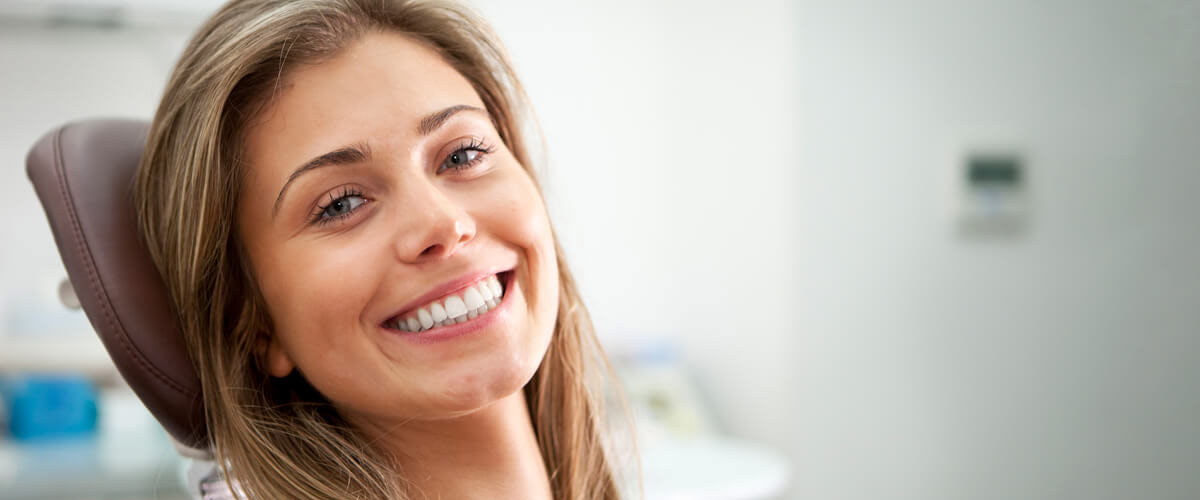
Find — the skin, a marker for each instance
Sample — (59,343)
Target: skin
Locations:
(452,411)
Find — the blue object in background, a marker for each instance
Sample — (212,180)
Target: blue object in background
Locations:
(42,407)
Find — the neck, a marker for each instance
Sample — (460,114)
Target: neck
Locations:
(491,453)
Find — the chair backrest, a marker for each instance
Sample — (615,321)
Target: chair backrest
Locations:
(83,173)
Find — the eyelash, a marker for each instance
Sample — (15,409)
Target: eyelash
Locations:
(347,192)
(477,145)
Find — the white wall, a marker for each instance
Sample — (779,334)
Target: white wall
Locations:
(1058,364)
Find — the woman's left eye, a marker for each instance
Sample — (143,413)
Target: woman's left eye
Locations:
(465,157)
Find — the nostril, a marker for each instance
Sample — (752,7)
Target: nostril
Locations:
(432,250)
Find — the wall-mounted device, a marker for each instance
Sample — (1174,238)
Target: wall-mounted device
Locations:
(993,188)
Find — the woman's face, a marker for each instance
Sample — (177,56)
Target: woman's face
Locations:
(404,254)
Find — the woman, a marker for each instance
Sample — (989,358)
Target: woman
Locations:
(340,198)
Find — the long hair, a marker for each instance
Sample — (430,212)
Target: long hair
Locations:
(278,438)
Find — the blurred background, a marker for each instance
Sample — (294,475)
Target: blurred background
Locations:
(852,249)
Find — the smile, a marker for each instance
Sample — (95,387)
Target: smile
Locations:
(461,306)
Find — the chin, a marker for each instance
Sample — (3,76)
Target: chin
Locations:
(480,386)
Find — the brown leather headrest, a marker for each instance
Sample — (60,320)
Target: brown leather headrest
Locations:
(83,173)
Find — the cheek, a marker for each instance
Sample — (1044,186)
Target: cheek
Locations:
(315,295)
(520,219)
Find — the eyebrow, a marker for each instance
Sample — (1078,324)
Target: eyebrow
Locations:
(358,153)
(435,120)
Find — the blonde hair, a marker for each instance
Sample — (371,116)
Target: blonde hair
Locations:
(279,438)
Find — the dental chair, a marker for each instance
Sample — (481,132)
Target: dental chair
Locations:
(83,174)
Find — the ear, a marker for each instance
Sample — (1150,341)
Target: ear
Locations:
(273,357)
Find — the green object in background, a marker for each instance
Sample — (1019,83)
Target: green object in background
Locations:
(994,170)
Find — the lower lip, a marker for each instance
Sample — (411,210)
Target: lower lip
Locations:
(444,333)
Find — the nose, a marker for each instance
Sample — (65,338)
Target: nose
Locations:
(435,226)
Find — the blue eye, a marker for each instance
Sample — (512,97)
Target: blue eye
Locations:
(461,157)
(340,206)
(466,156)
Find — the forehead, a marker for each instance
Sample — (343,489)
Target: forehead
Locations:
(375,90)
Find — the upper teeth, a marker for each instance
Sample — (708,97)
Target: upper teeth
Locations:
(468,303)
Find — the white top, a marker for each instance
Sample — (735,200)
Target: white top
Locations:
(205,481)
